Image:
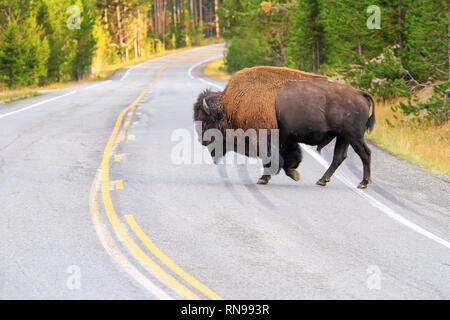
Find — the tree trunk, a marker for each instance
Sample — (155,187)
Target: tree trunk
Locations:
(105,17)
(359,47)
(200,12)
(195,14)
(135,43)
(174,13)
(155,16)
(119,26)
(316,57)
(216,9)
(191,12)
(139,34)
(448,52)
(160,18)
(150,22)
(400,23)
(164,12)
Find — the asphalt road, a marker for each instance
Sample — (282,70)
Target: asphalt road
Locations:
(104,195)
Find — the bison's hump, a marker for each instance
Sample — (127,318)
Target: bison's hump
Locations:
(249,98)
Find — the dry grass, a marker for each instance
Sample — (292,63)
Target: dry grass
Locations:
(426,146)
(10,95)
(216,69)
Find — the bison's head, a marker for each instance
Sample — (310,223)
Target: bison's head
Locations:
(208,109)
(209,114)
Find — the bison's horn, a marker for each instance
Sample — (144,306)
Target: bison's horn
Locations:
(206,107)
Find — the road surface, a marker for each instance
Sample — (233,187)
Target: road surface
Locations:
(104,195)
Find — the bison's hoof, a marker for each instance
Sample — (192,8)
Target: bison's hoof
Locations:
(362,186)
(293,174)
(321,183)
(264,180)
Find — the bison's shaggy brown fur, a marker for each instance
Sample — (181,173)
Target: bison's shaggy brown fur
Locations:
(253,106)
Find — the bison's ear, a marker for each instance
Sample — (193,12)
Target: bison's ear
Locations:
(206,107)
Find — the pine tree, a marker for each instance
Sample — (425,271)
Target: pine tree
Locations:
(23,46)
(53,17)
(348,38)
(85,40)
(257,32)
(427,40)
(307,36)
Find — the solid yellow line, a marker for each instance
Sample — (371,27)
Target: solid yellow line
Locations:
(166,260)
(117,225)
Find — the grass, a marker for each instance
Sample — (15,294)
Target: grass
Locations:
(216,69)
(426,146)
(10,95)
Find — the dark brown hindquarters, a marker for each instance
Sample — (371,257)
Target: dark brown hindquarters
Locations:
(315,112)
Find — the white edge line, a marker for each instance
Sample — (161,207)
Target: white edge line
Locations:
(199,63)
(98,84)
(36,104)
(374,202)
(126,73)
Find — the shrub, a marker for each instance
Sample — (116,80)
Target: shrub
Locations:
(435,110)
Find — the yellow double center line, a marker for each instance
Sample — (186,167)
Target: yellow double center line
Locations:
(146,261)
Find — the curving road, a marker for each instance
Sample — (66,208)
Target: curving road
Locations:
(104,195)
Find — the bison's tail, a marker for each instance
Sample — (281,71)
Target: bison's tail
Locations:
(371,121)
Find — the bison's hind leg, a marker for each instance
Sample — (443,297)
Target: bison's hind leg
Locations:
(363,151)
(340,153)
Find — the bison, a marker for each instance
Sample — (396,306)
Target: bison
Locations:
(303,107)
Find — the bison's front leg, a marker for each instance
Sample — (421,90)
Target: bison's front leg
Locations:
(264,179)
(292,155)
(271,168)
(293,174)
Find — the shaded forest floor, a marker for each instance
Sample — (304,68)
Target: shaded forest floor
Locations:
(426,146)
